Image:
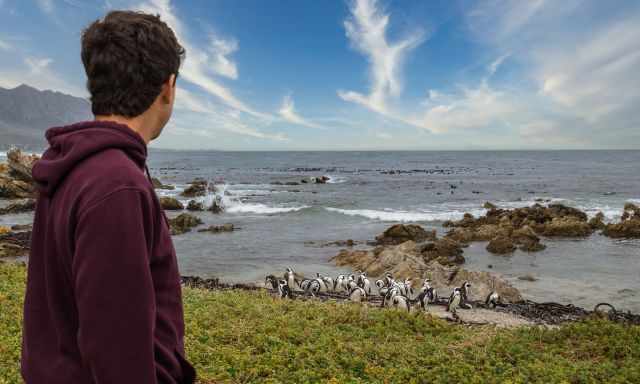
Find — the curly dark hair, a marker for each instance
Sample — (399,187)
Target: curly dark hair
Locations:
(127,57)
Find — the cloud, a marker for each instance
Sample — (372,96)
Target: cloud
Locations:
(366,29)
(4,46)
(38,66)
(220,63)
(288,113)
(46,6)
(200,65)
(493,67)
(40,75)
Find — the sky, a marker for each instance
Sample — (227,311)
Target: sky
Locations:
(367,74)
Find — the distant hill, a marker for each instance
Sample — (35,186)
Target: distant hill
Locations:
(25,114)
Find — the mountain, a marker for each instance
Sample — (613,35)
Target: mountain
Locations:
(25,114)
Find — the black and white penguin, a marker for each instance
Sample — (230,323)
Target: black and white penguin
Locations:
(465,290)
(313,287)
(271,282)
(406,288)
(382,288)
(304,284)
(401,302)
(389,281)
(328,282)
(454,301)
(366,285)
(392,292)
(290,278)
(492,300)
(427,294)
(321,282)
(357,294)
(283,290)
(340,283)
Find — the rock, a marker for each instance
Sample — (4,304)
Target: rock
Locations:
(171,204)
(322,180)
(14,244)
(445,251)
(501,245)
(527,239)
(489,206)
(400,233)
(183,223)
(566,227)
(219,228)
(291,183)
(626,229)
(527,277)
(15,189)
(483,283)
(20,165)
(461,235)
(195,206)
(597,222)
(198,187)
(216,207)
(21,227)
(157,184)
(20,207)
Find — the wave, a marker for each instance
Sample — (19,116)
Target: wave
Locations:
(260,208)
(406,216)
(336,179)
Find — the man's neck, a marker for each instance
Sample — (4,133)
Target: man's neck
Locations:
(135,124)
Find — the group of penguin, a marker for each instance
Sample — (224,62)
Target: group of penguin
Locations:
(358,287)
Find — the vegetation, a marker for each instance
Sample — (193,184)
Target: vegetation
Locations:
(241,337)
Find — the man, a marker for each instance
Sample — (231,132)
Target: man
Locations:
(103,301)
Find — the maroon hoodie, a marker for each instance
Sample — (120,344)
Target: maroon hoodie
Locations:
(103,301)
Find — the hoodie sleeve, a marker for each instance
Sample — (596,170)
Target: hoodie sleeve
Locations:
(114,290)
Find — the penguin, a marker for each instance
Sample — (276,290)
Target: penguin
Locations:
(290,278)
(328,282)
(382,288)
(388,297)
(351,285)
(389,280)
(313,287)
(454,301)
(357,294)
(339,284)
(493,300)
(465,290)
(284,290)
(304,284)
(271,282)
(427,294)
(321,282)
(401,302)
(366,285)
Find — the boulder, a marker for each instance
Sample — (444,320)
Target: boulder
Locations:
(14,244)
(400,233)
(461,235)
(501,245)
(157,184)
(527,240)
(194,205)
(15,176)
(218,228)
(216,207)
(20,165)
(597,222)
(19,207)
(489,206)
(569,226)
(171,204)
(198,187)
(183,223)
(445,251)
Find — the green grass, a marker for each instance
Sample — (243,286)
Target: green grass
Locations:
(242,337)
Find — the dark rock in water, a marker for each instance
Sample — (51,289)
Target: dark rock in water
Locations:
(629,225)
(566,227)
(195,206)
(21,227)
(171,204)
(322,180)
(183,223)
(489,206)
(445,251)
(157,184)
(527,239)
(501,245)
(400,233)
(20,165)
(216,207)
(528,277)
(198,187)
(20,207)
(219,228)
(14,244)
(597,222)
(291,183)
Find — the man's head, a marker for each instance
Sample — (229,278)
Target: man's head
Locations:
(132,61)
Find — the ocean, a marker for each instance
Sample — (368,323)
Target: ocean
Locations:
(282,225)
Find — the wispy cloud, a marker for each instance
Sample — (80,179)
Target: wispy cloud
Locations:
(288,113)
(220,63)
(46,6)
(37,72)
(366,29)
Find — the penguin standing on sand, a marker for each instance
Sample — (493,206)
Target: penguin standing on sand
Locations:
(340,283)
(465,290)
(492,300)
(365,284)
(387,300)
(454,301)
(328,282)
(290,278)
(320,280)
(401,302)
(304,284)
(427,294)
(271,282)
(283,290)
(389,281)
(357,294)
(382,288)
(313,287)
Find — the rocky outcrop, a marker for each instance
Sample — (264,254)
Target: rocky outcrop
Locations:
(501,245)
(198,187)
(194,205)
(183,223)
(157,184)
(218,228)
(629,225)
(445,251)
(15,176)
(400,233)
(597,222)
(19,207)
(216,206)
(171,204)
(14,244)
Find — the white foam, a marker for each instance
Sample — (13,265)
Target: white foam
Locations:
(260,208)
(336,179)
(405,216)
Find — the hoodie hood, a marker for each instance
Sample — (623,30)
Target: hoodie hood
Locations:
(72,144)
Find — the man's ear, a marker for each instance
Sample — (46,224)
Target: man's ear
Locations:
(169,90)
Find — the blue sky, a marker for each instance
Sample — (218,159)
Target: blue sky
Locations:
(366,74)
